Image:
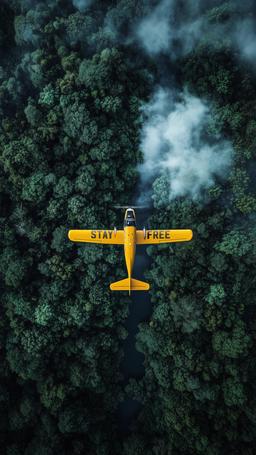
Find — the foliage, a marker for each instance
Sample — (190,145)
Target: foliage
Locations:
(68,111)
(199,344)
(71,86)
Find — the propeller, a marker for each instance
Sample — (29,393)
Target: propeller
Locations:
(131,206)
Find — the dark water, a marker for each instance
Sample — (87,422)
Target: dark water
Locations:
(140,309)
(127,413)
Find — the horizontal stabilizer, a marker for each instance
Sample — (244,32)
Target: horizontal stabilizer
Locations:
(139,285)
(129,284)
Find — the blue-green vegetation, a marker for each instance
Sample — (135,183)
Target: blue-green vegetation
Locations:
(74,76)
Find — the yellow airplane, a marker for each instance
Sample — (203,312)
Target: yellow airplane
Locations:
(130,237)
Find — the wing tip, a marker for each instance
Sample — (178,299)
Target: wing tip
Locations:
(70,235)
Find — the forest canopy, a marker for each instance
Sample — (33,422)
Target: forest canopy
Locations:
(75,77)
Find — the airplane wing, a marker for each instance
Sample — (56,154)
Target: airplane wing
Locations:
(96,236)
(148,237)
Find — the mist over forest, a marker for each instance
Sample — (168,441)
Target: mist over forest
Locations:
(102,103)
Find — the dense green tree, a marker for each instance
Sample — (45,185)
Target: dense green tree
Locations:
(69,107)
(199,344)
(72,82)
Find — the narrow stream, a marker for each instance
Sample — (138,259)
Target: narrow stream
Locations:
(140,309)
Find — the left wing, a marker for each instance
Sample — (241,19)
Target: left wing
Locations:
(148,237)
(96,236)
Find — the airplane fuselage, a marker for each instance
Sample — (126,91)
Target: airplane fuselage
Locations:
(129,247)
(129,239)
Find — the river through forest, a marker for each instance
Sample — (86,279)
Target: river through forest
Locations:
(140,309)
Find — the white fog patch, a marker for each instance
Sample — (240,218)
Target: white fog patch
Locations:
(159,31)
(173,141)
(154,30)
(174,34)
(82,5)
(245,39)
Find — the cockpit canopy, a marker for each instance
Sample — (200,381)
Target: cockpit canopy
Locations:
(129,219)
(130,213)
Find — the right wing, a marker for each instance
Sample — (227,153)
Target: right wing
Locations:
(97,236)
(148,237)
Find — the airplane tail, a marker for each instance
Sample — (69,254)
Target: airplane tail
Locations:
(129,284)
